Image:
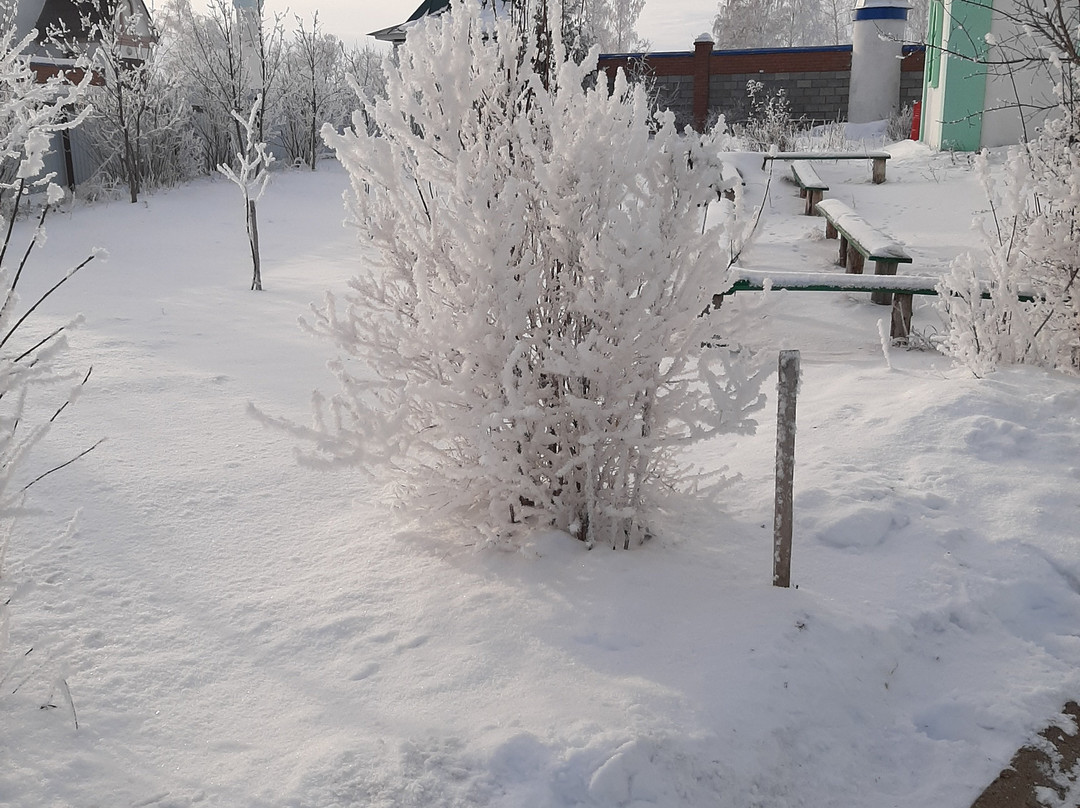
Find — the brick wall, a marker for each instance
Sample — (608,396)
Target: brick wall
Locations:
(816,80)
(911,75)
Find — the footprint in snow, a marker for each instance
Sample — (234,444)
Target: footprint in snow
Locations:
(365,672)
(994,439)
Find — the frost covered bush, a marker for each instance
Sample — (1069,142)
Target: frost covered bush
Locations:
(1034,250)
(528,350)
(769,123)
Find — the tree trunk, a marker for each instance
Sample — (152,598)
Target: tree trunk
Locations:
(133,180)
(253,237)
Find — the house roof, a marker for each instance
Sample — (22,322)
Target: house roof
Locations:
(396,33)
(26,14)
(48,15)
(48,58)
(68,16)
(428,8)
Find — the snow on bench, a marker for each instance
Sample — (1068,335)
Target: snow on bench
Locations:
(811,188)
(729,179)
(760,280)
(878,158)
(860,242)
(899,288)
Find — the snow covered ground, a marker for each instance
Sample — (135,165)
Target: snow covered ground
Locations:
(237,630)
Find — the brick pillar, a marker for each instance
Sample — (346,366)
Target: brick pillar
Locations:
(703,47)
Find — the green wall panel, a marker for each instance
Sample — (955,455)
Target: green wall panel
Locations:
(968,23)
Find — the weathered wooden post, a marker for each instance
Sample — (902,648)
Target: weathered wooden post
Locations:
(788,388)
(883,268)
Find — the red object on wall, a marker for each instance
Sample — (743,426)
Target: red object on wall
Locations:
(916,119)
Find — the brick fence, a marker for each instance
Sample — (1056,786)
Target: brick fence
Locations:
(704,83)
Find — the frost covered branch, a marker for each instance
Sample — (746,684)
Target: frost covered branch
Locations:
(31,113)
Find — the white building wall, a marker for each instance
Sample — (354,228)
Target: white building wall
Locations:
(1005,121)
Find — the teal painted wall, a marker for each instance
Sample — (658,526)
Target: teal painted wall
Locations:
(966,25)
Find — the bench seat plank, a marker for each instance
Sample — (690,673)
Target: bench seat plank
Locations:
(866,239)
(864,155)
(878,158)
(807,178)
(752,279)
(811,188)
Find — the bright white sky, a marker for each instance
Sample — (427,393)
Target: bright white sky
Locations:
(668,24)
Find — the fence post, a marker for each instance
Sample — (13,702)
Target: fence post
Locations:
(787,389)
(703,47)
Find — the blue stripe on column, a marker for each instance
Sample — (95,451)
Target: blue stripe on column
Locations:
(880,13)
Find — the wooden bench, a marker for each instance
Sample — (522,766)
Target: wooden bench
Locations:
(878,158)
(811,188)
(901,288)
(729,179)
(860,242)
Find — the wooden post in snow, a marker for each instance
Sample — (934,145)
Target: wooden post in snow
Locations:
(253,237)
(787,387)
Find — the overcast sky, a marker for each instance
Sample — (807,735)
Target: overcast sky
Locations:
(668,24)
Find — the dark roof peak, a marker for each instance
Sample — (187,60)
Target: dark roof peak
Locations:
(428,8)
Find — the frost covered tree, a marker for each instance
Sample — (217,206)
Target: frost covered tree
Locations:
(31,113)
(796,23)
(527,347)
(1033,238)
(229,56)
(251,176)
(315,90)
(364,75)
(609,24)
(780,23)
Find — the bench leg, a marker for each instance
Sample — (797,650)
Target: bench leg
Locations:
(842,256)
(883,268)
(812,198)
(855,261)
(901,318)
(830,231)
(879,171)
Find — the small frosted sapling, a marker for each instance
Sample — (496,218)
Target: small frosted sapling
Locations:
(251,176)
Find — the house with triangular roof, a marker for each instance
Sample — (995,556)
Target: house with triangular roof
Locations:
(74,21)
